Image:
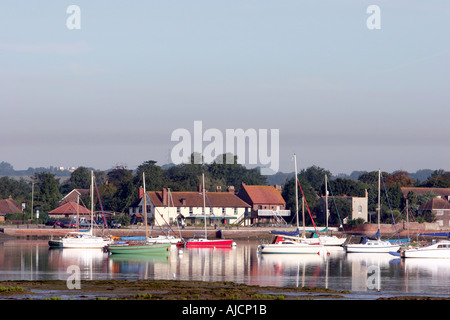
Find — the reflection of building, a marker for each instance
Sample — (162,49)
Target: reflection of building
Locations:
(266,202)
(167,207)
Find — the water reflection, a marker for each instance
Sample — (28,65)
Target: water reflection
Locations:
(33,260)
(90,261)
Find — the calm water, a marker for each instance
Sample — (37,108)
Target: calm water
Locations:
(363,274)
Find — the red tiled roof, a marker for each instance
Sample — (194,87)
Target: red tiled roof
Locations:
(436,204)
(263,194)
(70,208)
(9,206)
(195,199)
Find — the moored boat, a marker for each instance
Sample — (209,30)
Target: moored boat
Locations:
(139,248)
(372,246)
(282,245)
(82,239)
(439,249)
(291,243)
(203,242)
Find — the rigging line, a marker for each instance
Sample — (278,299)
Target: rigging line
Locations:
(335,205)
(392,214)
(173,206)
(211,211)
(307,207)
(164,221)
(101,206)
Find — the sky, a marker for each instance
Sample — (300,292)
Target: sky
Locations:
(343,96)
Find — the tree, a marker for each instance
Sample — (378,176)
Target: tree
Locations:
(349,187)
(154,176)
(400,178)
(288,194)
(438,179)
(121,192)
(315,176)
(80,178)
(46,192)
(339,208)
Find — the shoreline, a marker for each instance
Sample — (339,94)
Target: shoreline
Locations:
(181,290)
(230,232)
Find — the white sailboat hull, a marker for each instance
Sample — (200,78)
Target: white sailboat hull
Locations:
(440,250)
(80,242)
(290,247)
(164,239)
(325,240)
(372,247)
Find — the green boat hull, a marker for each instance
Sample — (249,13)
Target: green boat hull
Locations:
(156,248)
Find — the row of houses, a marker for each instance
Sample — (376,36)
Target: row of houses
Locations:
(252,204)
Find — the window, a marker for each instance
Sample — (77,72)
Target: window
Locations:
(360,209)
(235,211)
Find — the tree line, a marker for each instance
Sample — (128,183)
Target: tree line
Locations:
(393,203)
(118,188)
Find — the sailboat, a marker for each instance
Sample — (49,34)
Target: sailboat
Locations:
(326,240)
(165,238)
(288,243)
(82,239)
(205,242)
(373,246)
(139,247)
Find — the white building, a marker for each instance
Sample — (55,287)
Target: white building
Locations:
(166,207)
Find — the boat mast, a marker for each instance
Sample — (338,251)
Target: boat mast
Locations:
(303,216)
(326,202)
(145,206)
(379,202)
(296,194)
(204,201)
(92,202)
(78,214)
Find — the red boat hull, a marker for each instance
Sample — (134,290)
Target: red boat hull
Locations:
(208,243)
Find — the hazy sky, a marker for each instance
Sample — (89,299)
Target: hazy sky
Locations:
(344,97)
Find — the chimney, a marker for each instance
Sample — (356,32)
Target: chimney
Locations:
(277,187)
(141,192)
(164,196)
(366,193)
(231,189)
(200,187)
(183,202)
(219,189)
